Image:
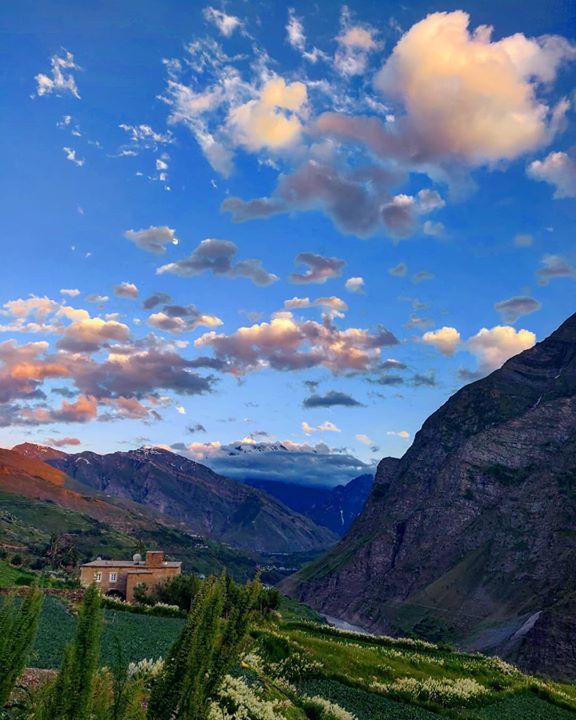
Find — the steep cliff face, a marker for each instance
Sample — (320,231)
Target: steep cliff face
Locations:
(471,535)
(191,494)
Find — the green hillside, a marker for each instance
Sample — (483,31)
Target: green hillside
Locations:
(28,523)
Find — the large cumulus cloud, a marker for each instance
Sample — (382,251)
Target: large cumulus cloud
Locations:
(456,98)
(287,344)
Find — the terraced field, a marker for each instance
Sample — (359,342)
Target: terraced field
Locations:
(292,663)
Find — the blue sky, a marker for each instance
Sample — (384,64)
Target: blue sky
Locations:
(307,223)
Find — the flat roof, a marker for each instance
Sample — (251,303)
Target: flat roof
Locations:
(129,564)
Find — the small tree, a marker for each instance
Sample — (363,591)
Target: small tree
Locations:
(179,590)
(18,625)
(71,695)
(200,658)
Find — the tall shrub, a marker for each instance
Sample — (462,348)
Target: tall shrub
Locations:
(18,625)
(71,695)
(208,646)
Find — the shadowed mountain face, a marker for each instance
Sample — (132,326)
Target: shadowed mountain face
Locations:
(333,507)
(471,535)
(185,491)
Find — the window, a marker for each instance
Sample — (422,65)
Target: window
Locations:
(97,577)
(113,577)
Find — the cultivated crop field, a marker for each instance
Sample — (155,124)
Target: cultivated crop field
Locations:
(141,636)
(289,661)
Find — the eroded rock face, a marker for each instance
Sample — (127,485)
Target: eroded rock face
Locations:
(473,531)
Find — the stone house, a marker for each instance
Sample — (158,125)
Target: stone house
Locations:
(119,578)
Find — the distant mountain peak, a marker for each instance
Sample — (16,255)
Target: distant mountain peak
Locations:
(38,452)
(247,448)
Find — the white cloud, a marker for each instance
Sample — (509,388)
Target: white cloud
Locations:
(355,284)
(297,39)
(61,80)
(491,346)
(326,426)
(516,307)
(433,228)
(285,344)
(470,98)
(182,323)
(70,292)
(295,31)
(554,267)
(523,240)
(126,290)
(494,346)
(154,239)
(558,169)
(97,298)
(143,137)
(446,340)
(226,24)
(404,434)
(216,256)
(355,43)
(225,110)
(71,155)
(333,306)
(271,121)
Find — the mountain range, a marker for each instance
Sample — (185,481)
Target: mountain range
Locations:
(470,537)
(332,507)
(188,494)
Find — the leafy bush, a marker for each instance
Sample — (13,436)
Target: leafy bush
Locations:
(438,691)
(318,708)
(236,699)
(159,609)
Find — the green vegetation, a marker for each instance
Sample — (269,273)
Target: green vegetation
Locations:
(10,575)
(379,677)
(526,706)
(71,695)
(54,537)
(236,656)
(142,636)
(208,647)
(18,623)
(291,610)
(363,704)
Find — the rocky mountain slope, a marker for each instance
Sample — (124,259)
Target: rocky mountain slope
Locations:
(39,502)
(189,493)
(333,507)
(471,535)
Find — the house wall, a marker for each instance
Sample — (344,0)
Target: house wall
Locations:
(122,580)
(151,577)
(102,576)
